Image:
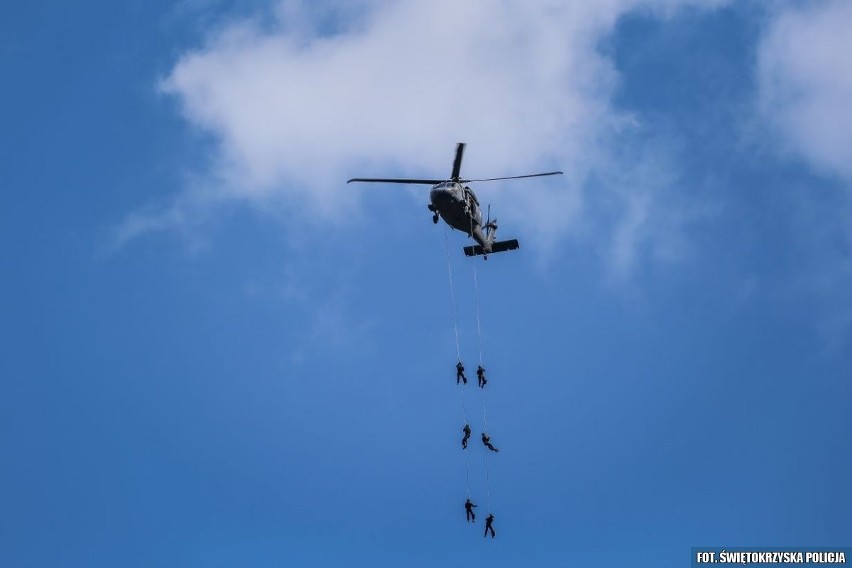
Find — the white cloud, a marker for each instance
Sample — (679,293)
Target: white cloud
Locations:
(805,81)
(805,89)
(307,97)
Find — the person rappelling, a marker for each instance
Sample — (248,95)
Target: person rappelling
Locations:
(468,508)
(466,431)
(486,439)
(489,520)
(480,374)
(460,373)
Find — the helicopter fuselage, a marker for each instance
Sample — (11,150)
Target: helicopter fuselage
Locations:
(459,207)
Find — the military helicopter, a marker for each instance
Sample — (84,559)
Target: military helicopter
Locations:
(456,203)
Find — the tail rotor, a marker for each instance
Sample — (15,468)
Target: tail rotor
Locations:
(490,226)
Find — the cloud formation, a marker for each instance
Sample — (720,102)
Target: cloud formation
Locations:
(805,82)
(805,85)
(305,97)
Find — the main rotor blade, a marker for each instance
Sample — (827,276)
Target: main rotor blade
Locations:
(397,180)
(512,177)
(457,162)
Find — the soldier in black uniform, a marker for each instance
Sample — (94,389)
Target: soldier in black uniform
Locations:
(460,373)
(480,374)
(486,439)
(468,507)
(488,520)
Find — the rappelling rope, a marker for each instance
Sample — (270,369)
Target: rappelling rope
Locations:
(479,335)
(458,353)
(452,295)
(487,481)
(484,413)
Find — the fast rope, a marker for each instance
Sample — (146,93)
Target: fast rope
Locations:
(458,352)
(479,335)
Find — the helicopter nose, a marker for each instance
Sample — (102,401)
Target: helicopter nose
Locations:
(440,197)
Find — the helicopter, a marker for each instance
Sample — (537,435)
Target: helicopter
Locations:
(452,200)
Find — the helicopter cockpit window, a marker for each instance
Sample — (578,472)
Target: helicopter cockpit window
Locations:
(469,195)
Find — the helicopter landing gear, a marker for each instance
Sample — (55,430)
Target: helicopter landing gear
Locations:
(432,208)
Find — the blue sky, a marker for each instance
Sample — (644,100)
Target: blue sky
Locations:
(216,353)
